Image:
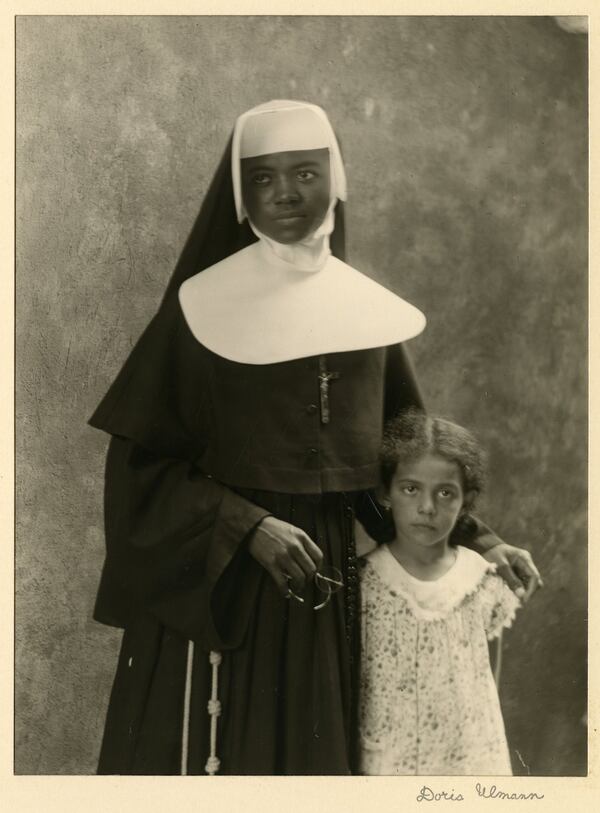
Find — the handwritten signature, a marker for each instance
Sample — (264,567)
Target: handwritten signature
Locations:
(427,794)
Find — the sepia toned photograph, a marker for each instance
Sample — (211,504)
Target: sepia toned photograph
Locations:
(301,332)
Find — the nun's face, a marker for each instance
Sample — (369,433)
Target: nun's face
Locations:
(286,194)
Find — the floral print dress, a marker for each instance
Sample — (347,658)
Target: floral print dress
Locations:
(429,704)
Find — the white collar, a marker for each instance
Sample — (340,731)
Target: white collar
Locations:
(431,600)
(255,307)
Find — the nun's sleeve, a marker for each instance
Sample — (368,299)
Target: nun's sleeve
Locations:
(172,533)
(471,532)
(401,388)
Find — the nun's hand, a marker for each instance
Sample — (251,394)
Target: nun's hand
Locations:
(517,568)
(286,552)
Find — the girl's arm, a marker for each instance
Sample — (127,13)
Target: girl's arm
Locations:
(499,606)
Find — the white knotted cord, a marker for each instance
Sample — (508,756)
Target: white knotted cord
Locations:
(185,734)
(214,710)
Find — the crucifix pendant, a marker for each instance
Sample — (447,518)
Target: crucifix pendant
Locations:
(325,377)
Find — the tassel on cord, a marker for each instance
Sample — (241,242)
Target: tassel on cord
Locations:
(185,736)
(214,709)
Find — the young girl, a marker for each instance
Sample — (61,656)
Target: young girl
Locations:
(429,704)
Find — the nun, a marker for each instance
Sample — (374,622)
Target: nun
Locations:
(245,430)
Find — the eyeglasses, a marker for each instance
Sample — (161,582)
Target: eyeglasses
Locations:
(328,580)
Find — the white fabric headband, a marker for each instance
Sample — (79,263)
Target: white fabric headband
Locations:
(284,126)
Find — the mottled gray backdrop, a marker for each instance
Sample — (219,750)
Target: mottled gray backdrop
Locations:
(465,142)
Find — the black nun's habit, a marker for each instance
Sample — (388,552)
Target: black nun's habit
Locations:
(222,415)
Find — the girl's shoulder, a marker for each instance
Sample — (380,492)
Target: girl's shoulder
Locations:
(468,570)
(377,566)
(470,578)
(494,599)
(370,568)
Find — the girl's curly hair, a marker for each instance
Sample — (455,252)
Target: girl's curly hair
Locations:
(413,433)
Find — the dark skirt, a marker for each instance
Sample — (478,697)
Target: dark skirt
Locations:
(288,693)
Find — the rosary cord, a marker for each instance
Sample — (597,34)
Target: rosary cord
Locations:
(351,574)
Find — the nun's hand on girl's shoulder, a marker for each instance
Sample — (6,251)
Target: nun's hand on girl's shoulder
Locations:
(286,552)
(517,568)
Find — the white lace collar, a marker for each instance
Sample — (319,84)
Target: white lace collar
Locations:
(431,600)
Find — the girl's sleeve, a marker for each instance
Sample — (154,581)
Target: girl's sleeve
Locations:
(499,605)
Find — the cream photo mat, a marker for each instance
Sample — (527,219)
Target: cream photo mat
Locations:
(49,793)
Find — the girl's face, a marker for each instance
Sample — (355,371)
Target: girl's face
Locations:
(286,194)
(426,499)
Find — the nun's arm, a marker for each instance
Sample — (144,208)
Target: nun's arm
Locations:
(171,535)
